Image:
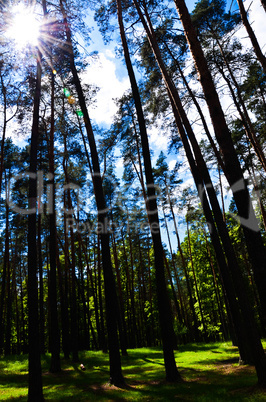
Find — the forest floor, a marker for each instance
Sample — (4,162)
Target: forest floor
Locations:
(210,373)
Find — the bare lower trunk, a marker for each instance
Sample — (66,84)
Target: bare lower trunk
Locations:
(35,371)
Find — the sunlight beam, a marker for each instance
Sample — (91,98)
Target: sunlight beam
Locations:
(24,27)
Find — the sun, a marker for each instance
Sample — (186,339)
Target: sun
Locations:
(24,27)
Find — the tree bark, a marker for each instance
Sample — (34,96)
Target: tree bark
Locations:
(55,365)
(40,262)
(116,376)
(121,320)
(165,316)
(35,371)
(195,281)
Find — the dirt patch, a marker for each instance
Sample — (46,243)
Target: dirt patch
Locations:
(60,374)
(231,368)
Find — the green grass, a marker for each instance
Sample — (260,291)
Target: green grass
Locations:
(210,373)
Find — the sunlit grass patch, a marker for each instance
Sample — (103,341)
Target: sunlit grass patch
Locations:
(210,373)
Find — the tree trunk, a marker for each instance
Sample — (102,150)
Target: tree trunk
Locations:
(131,309)
(216,290)
(195,281)
(40,262)
(4,284)
(7,334)
(180,312)
(121,312)
(184,266)
(55,365)
(4,130)
(24,342)
(35,371)
(165,316)
(84,341)
(73,292)
(98,279)
(116,376)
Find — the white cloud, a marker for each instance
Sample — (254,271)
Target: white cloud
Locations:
(172,164)
(158,139)
(257,20)
(103,73)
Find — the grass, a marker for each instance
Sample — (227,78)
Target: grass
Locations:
(210,373)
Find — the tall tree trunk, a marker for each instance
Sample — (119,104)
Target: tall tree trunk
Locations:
(35,371)
(8,288)
(98,280)
(116,376)
(41,291)
(66,342)
(54,342)
(92,289)
(85,340)
(18,316)
(122,321)
(216,289)
(63,308)
(131,300)
(55,365)
(174,295)
(184,266)
(73,291)
(165,316)
(24,342)
(180,312)
(4,129)
(195,281)
(4,283)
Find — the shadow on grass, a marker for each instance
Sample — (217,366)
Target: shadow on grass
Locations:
(195,347)
(14,380)
(205,380)
(233,360)
(152,361)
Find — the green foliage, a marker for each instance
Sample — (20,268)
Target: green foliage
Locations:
(211,15)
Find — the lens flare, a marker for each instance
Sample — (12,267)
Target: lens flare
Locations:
(24,27)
